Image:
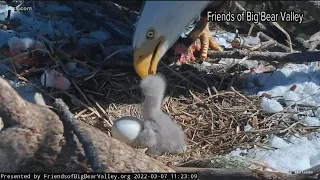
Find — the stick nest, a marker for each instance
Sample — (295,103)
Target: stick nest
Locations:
(213,121)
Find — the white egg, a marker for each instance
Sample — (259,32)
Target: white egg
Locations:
(126,129)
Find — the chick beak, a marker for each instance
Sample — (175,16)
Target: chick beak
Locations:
(146,57)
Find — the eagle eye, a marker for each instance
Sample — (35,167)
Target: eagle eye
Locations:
(150,34)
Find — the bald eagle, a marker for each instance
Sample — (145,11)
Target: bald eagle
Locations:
(161,24)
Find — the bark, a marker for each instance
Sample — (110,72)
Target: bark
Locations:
(29,130)
(313,7)
(34,140)
(297,57)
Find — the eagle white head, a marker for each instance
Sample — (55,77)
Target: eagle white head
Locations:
(160,25)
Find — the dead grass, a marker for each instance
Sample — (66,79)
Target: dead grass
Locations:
(213,120)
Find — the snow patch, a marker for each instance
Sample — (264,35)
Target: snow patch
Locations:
(312,121)
(302,154)
(271,105)
(277,142)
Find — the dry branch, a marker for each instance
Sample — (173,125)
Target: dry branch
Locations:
(33,141)
(29,130)
(297,57)
(101,21)
(313,7)
(73,124)
(263,36)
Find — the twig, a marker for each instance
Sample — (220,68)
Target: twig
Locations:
(182,77)
(301,57)
(263,36)
(26,80)
(102,22)
(68,118)
(242,96)
(284,32)
(91,76)
(83,104)
(312,7)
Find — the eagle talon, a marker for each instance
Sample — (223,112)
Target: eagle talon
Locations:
(202,44)
(202,32)
(207,42)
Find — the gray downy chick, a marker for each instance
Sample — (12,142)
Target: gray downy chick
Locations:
(160,134)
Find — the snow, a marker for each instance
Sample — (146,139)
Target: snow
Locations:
(24,89)
(277,142)
(300,154)
(291,98)
(271,105)
(239,152)
(4,11)
(279,82)
(5,36)
(312,121)
(76,69)
(120,30)
(71,66)
(247,128)
(294,153)
(19,45)
(224,39)
(93,37)
(318,113)
(42,25)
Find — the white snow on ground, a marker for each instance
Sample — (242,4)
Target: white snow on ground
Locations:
(298,154)
(291,98)
(94,37)
(294,153)
(312,121)
(271,105)
(278,83)
(43,25)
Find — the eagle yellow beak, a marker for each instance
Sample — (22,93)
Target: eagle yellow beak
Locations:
(146,57)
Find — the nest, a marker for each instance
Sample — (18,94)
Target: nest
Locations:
(213,121)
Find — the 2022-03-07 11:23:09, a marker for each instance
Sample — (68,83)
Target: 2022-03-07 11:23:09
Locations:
(165,176)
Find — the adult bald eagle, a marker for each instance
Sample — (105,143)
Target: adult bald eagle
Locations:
(161,24)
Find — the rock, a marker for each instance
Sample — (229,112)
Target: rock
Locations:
(37,141)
